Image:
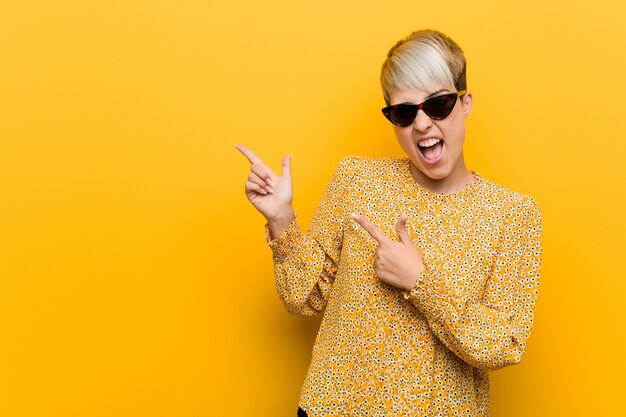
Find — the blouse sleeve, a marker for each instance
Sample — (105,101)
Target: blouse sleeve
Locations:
(305,264)
(491,332)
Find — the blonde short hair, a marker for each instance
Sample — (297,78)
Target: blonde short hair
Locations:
(423,57)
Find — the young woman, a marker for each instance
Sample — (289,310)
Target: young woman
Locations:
(427,272)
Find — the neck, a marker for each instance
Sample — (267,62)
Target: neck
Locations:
(459,179)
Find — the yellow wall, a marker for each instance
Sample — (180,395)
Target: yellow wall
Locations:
(134,280)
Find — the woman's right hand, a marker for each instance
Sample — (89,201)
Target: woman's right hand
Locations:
(270,193)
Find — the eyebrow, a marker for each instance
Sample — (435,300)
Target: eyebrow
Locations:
(431,95)
(436,92)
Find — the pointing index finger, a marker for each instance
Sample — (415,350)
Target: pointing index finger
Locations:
(249,154)
(258,166)
(370,228)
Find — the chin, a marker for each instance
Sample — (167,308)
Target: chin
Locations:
(438,176)
(436,173)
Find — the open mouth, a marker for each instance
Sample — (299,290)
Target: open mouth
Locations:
(431,148)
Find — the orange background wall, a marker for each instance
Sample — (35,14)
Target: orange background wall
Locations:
(134,280)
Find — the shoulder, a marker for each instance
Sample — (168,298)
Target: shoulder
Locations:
(370,166)
(509,203)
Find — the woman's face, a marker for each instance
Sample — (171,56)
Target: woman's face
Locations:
(441,155)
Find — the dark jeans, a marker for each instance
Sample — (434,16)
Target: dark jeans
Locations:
(302,413)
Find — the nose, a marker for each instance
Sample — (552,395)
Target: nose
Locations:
(422,121)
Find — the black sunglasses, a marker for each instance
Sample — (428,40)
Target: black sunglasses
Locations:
(437,108)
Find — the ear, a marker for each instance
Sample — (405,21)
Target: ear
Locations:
(467,100)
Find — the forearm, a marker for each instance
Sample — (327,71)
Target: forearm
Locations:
(304,271)
(483,333)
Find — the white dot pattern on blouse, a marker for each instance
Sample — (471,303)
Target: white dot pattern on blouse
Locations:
(384,352)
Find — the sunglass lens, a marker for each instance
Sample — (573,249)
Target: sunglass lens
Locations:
(440,107)
(403,115)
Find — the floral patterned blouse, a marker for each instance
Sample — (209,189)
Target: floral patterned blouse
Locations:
(381,351)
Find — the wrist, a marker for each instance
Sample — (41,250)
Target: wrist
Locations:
(414,281)
(280,222)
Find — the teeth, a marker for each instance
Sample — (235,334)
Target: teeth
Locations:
(428,142)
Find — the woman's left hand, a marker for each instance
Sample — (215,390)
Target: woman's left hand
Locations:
(397,263)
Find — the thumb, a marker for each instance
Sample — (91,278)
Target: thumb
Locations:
(286,166)
(403,233)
